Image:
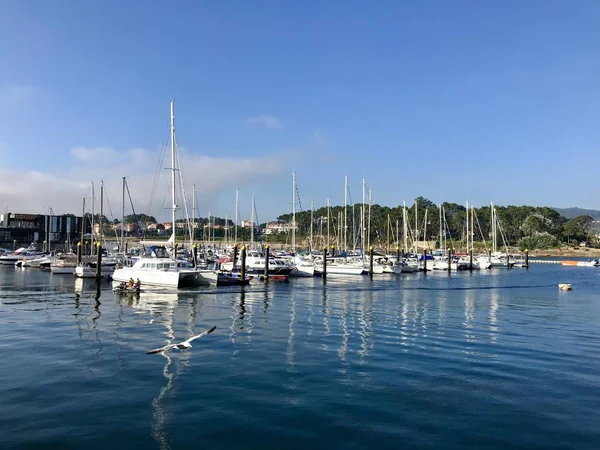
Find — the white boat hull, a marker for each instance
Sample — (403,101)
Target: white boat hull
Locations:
(164,278)
(341,269)
(90,272)
(303,271)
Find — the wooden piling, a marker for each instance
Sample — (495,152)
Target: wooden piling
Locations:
(449,268)
(195,254)
(324,274)
(79,252)
(243,263)
(371,260)
(332,250)
(471,260)
(267,263)
(398,253)
(424,260)
(526,258)
(98,261)
(235,254)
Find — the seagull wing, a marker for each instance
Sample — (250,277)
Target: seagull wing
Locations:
(204,333)
(162,349)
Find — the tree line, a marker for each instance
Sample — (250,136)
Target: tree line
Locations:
(519,226)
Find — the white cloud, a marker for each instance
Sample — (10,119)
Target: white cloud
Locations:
(94,154)
(265,120)
(11,94)
(33,191)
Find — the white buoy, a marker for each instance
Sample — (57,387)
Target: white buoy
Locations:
(565,286)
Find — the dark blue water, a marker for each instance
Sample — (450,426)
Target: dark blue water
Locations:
(494,359)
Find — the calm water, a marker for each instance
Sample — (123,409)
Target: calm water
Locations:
(496,359)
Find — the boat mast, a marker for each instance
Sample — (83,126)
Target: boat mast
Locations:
(328,210)
(369,223)
(173,197)
(346,213)
(123,219)
(252,224)
(405,227)
(237,208)
(101,212)
(441,243)
(92,249)
(472,228)
(493,217)
(312,213)
(467,226)
(294,212)
(83,225)
(193,214)
(416,226)
(362,219)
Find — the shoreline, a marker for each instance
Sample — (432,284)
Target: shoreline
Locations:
(567,252)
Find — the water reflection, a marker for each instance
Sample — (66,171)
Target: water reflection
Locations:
(469,315)
(290,355)
(493,316)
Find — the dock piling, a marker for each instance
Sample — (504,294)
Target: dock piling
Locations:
(195,254)
(526,258)
(79,252)
(471,260)
(243,263)
(267,263)
(324,262)
(98,261)
(424,260)
(449,268)
(371,261)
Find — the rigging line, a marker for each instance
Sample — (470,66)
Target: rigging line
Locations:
(135,218)
(161,158)
(479,227)
(182,188)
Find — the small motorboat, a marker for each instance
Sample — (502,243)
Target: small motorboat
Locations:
(124,288)
(565,286)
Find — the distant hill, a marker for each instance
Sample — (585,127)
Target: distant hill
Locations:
(569,213)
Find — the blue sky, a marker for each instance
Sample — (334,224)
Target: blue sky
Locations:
(501,96)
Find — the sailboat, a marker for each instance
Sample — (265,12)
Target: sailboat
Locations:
(302,266)
(156,267)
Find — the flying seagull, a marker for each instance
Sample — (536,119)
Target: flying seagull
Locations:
(182,345)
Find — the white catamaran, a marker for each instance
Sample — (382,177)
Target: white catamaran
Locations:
(156,267)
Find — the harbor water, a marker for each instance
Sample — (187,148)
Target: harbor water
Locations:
(492,359)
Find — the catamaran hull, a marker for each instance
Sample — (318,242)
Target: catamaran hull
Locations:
(157,278)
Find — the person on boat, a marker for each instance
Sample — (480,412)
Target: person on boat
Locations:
(138,283)
(123,285)
(130,284)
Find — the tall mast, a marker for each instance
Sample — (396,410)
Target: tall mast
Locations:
(92,249)
(123,219)
(237,208)
(405,227)
(425,227)
(441,224)
(193,213)
(312,213)
(252,224)
(472,227)
(362,218)
(173,196)
(467,226)
(328,210)
(369,223)
(397,233)
(294,211)
(493,217)
(101,212)
(416,226)
(83,225)
(346,213)
(226,229)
